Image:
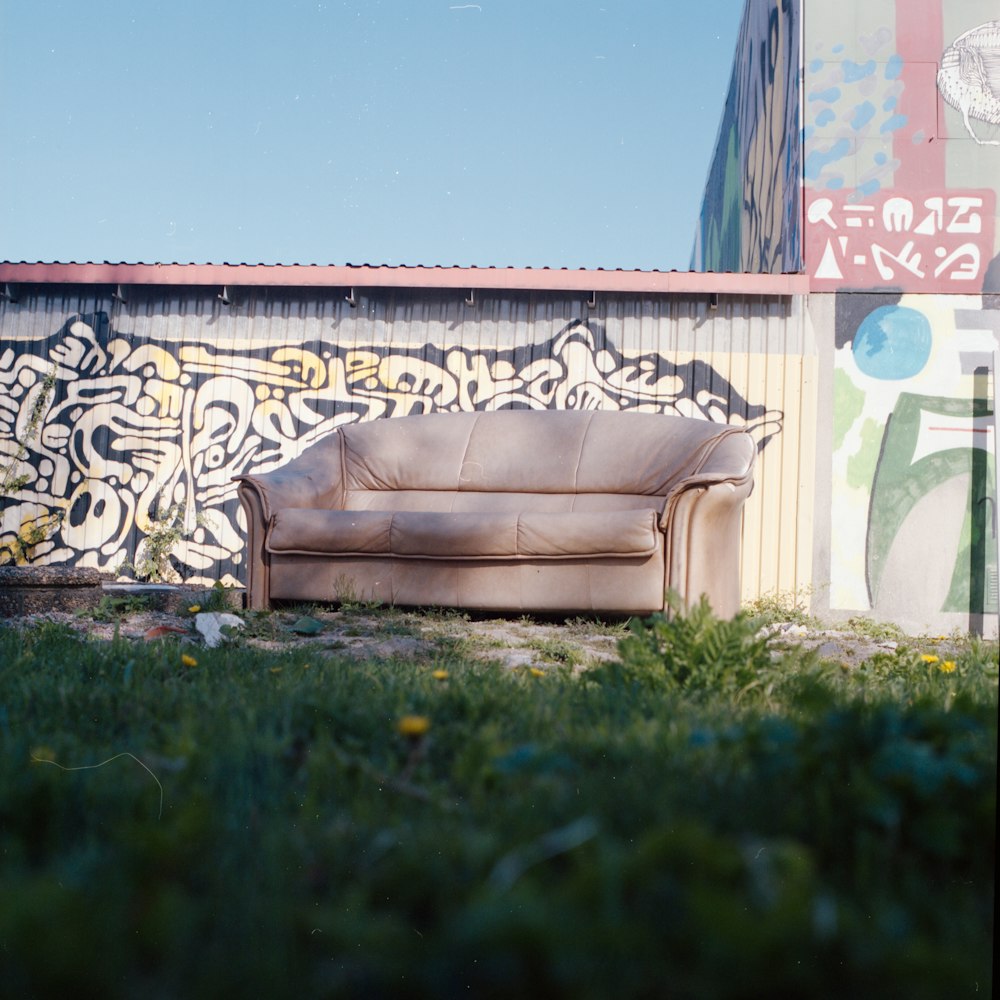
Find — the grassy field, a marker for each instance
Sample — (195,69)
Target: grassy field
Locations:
(698,819)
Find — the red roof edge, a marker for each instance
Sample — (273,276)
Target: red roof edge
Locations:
(383,276)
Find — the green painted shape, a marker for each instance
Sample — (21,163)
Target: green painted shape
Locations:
(899,483)
(848,402)
(723,248)
(732,201)
(862,464)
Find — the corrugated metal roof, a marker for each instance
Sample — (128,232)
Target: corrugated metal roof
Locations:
(403,276)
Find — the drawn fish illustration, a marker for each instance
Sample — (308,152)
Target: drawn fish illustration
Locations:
(969,77)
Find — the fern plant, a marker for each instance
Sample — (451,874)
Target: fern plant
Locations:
(695,650)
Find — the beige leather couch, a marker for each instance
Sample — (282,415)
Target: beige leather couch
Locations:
(516,510)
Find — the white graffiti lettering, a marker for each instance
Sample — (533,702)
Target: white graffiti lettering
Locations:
(906,258)
(893,239)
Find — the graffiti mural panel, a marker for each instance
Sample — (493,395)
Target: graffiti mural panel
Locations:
(134,425)
(892,89)
(927,242)
(913,462)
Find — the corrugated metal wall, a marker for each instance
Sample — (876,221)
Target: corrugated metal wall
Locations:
(168,394)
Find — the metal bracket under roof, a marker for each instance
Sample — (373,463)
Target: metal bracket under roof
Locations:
(592,301)
(225,296)
(118,295)
(352,299)
(470,299)
(713,300)
(11,293)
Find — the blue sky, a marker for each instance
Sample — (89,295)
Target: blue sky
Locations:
(560,133)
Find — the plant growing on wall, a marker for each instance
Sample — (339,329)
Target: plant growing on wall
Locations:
(166,529)
(32,531)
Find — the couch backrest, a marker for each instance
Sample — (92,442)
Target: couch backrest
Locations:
(531,451)
(494,502)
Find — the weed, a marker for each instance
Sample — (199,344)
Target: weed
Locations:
(557,651)
(876,631)
(695,651)
(217,598)
(113,607)
(449,615)
(11,481)
(265,625)
(345,594)
(20,548)
(165,529)
(782,606)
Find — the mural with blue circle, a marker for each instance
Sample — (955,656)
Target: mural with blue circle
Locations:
(892,342)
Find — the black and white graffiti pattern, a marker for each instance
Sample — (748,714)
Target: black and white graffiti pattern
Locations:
(132,426)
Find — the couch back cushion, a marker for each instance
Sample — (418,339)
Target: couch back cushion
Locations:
(527,451)
(481,502)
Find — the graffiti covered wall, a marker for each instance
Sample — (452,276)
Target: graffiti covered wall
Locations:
(750,216)
(162,401)
(914,525)
(901,170)
(902,145)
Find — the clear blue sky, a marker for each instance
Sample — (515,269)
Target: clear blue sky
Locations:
(561,133)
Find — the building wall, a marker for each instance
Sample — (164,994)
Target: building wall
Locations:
(751,213)
(901,232)
(171,393)
(900,165)
(901,192)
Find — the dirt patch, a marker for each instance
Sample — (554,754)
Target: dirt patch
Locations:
(354,632)
(365,633)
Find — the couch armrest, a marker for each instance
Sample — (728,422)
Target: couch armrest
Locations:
(731,460)
(314,479)
(702,519)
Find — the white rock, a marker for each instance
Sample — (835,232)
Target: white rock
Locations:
(210,624)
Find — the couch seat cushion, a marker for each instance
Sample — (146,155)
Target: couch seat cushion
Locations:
(467,535)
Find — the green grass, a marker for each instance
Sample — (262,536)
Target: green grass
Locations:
(697,820)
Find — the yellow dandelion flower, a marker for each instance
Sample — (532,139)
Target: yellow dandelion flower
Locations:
(413,725)
(929,658)
(194,609)
(188,661)
(276,670)
(947,667)
(440,675)
(536,672)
